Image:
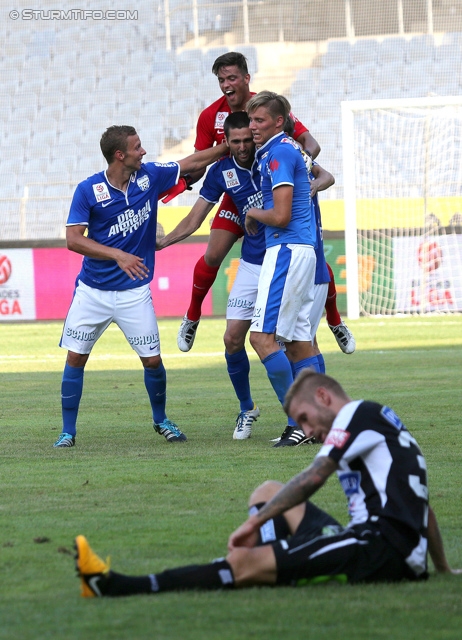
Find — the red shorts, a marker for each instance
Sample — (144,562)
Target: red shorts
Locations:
(227,217)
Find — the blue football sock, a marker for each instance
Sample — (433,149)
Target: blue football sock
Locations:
(290,422)
(238,366)
(71,393)
(305,363)
(321,363)
(155,381)
(279,373)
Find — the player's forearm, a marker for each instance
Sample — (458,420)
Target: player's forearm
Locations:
(90,248)
(196,175)
(271,217)
(281,213)
(323,179)
(201,159)
(188,225)
(309,144)
(182,231)
(299,489)
(435,544)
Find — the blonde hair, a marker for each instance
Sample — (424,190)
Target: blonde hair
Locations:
(276,104)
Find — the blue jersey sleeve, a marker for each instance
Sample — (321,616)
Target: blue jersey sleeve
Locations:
(281,166)
(164,174)
(212,188)
(79,212)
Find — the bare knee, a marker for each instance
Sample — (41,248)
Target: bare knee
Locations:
(77,359)
(264,343)
(265,492)
(253,566)
(214,258)
(152,362)
(233,342)
(220,243)
(255,340)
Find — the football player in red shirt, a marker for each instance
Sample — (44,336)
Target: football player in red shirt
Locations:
(234,78)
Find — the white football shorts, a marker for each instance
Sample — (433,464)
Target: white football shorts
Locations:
(319,302)
(241,300)
(93,310)
(286,292)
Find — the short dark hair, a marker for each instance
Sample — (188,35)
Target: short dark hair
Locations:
(231,59)
(289,126)
(115,139)
(236,120)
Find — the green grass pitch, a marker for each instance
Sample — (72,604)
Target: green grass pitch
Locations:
(151,505)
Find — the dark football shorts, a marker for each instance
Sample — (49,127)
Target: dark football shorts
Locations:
(321,550)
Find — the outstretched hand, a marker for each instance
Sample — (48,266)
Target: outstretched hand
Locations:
(245,536)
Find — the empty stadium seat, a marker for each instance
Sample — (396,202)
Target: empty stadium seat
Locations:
(338,52)
(364,51)
(360,87)
(128,112)
(190,62)
(42,142)
(391,50)
(419,48)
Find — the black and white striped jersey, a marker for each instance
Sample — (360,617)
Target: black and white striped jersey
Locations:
(383,474)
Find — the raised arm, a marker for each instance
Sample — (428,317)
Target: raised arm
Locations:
(296,491)
(201,159)
(188,225)
(309,144)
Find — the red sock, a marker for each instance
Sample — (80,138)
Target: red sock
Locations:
(203,278)
(332,315)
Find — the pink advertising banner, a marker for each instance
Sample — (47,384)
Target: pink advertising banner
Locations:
(49,279)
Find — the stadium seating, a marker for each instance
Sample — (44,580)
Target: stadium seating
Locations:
(62,90)
(372,68)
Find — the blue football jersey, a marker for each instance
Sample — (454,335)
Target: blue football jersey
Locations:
(321,275)
(124,220)
(243,186)
(281,163)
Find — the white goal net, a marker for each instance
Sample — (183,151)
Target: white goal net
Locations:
(402,162)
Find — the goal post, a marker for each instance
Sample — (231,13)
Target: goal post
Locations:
(402,169)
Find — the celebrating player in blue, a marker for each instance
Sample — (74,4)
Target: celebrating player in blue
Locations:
(112,223)
(238,176)
(286,286)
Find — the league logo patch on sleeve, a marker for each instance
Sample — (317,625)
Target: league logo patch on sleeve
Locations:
(337,438)
(219,119)
(391,417)
(101,192)
(231,179)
